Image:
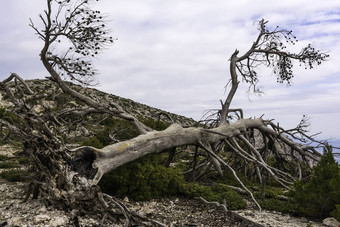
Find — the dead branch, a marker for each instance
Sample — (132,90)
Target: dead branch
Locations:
(268,50)
(68,178)
(233,171)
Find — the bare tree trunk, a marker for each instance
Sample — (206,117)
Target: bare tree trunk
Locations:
(69,178)
(115,155)
(232,92)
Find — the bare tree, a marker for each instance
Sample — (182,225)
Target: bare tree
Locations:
(72,34)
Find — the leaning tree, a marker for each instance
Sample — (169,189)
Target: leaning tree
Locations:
(73,33)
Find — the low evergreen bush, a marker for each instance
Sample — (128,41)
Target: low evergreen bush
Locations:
(319,196)
(122,129)
(336,213)
(218,193)
(7,165)
(93,142)
(14,175)
(3,157)
(277,205)
(156,125)
(143,179)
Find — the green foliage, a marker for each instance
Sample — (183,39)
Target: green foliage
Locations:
(146,178)
(277,205)
(336,212)
(122,129)
(104,136)
(109,122)
(7,165)
(143,179)
(270,192)
(23,160)
(218,193)
(61,100)
(318,196)
(156,125)
(229,179)
(14,175)
(93,142)
(3,157)
(9,117)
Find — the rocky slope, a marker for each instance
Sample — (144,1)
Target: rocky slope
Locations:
(170,211)
(134,108)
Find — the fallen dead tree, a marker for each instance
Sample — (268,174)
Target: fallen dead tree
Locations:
(68,178)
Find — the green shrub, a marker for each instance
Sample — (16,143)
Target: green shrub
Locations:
(273,192)
(104,136)
(14,175)
(9,116)
(143,179)
(109,122)
(218,193)
(270,192)
(23,160)
(318,196)
(156,125)
(122,129)
(336,212)
(93,142)
(3,157)
(7,165)
(229,179)
(277,205)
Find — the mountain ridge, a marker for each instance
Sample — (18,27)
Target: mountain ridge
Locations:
(130,106)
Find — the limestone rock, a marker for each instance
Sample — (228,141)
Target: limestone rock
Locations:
(126,200)
(59,221)
(15,221)
(41,218)
(331,222)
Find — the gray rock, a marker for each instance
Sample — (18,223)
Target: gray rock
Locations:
(59,221)
(126,200)
(331,222)
(15,221)
(41,218)
(42,210)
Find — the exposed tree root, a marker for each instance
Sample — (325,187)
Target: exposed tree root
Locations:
(68,178)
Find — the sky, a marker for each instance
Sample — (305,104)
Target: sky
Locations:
(173,55)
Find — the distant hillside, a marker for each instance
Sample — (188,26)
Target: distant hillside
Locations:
(134,108)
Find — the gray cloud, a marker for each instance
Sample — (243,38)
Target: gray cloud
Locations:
(174,54)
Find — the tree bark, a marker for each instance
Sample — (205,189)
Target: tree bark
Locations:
(232,92)
(70,179)
(110,157)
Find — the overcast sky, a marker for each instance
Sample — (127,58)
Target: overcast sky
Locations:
(174,55)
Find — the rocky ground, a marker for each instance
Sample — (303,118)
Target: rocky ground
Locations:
(179,212)
(170,211)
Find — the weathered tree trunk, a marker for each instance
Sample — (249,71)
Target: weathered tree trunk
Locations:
(69,178)
(112,156)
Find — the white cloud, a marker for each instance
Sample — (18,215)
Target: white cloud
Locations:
(174,54)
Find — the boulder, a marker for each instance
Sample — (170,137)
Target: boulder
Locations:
(331,222)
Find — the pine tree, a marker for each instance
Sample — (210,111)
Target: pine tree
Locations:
(319,196)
